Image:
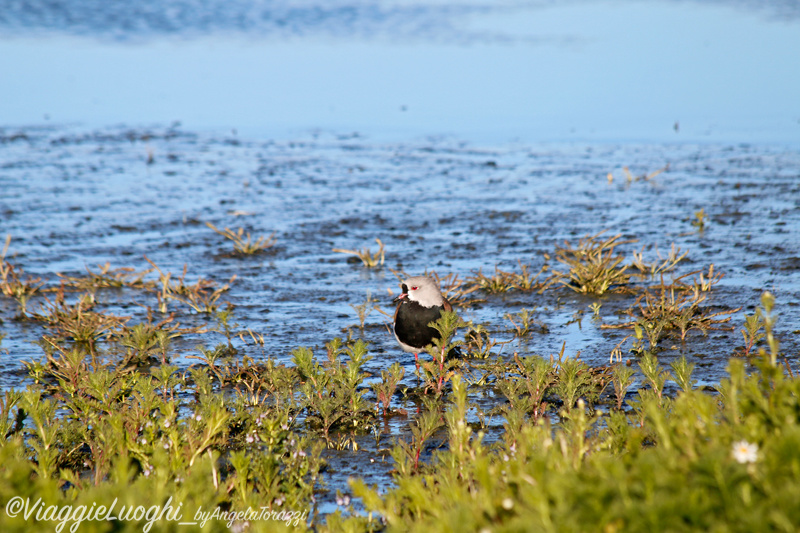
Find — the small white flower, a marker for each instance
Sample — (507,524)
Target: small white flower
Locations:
(167,424)
(508,504)
(250,439)
(143,441)
(198,418)
(744,452)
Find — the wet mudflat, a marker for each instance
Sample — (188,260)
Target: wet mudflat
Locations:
(76,199)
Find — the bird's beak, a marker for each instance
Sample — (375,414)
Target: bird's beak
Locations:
(400,297)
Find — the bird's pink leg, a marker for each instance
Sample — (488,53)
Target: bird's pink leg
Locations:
(416,362)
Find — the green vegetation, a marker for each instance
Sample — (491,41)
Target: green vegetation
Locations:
(493,442)
(692,462)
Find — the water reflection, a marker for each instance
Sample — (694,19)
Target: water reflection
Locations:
(666,71)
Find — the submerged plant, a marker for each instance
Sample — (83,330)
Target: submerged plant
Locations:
(106,278)
(522,321)
(364,309)
(664,309)
(699,221)
(368,259)
(78,322)
(504,281)
(243,243)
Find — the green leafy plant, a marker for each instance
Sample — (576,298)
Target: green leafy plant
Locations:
(385,389)
(439,370)
(752,332)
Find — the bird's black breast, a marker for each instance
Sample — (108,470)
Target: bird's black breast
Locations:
(411,324)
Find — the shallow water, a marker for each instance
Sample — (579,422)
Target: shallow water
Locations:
(486,72)
(75,199)
(466,137)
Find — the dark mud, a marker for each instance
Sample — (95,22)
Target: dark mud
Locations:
(73,199)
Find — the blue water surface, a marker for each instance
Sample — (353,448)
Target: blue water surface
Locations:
(488,72)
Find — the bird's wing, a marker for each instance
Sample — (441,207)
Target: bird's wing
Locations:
(447,306)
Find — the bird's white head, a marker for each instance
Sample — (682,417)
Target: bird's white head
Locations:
(423,290)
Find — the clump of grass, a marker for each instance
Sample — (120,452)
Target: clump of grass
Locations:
(78,322)
(368,259)
(243,242)
(202,296)
(594,266)
(106,278)
(659,311)
(664,264)
(503,281)
(768,319)
(146,342)
(478,341)
(524,322)
(706,281)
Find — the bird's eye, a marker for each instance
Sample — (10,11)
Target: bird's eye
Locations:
(414,288)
